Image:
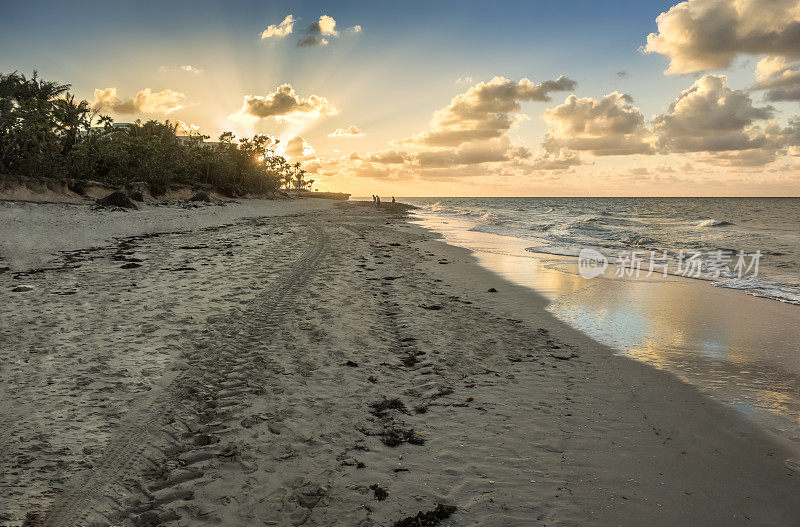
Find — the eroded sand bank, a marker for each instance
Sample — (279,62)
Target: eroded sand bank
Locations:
(330,364)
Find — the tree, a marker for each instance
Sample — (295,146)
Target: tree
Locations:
(71,117)
(46,131)
(298,177)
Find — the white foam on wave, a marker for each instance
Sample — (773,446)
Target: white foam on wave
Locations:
(565,230)
(763,289)
(713,223)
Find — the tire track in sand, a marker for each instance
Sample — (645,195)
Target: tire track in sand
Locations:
(124,455)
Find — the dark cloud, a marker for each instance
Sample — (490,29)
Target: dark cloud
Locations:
(318,33)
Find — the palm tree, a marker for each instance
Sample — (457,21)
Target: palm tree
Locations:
(71,116)
(298,177)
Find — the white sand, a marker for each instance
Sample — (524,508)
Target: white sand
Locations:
(229,379)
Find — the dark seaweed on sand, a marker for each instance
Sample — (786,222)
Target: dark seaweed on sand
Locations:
(379,409)
(381,493)
(397,436)
(427,518)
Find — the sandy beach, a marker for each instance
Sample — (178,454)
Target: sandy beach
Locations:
(311,362)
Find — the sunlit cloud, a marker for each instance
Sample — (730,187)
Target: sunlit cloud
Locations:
(184,128)
(284,104)
(724,125)
(472,153)
(388,157)
(699,35)
(561,160)
(298,148)
(468,132)
(711,117)
(486,111)
(280,30)
(709,120)
(146,101)
(611,125)
(350,131)
(779,79)
(315,33)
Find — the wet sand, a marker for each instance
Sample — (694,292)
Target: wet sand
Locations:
(335,365)
(740,349)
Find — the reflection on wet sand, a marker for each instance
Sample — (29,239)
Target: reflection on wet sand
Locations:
(742,350)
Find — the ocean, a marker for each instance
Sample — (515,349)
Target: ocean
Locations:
(617,227)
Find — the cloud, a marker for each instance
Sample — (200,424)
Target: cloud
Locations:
(780,79)
(298,148)
(723,126)
(163,102)
(558,161)
(742,158)
(623,74)
(184,128)
(350,131)
(486,111)
(285,104)
(387,157)
(769,67)
(281,30)
(187,68)
(711,117)
(699,35)
(355,29)
(709,120)
(474,153)
(609,126)
(324,27)
(467,137)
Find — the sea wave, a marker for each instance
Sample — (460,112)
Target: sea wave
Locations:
(762,288)
(564,226)
(713,223)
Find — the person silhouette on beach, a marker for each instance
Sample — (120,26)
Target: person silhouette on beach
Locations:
(377,201)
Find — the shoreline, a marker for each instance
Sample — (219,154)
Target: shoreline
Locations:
(734,347)
(521,416)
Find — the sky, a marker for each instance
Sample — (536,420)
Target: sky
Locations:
(573,98)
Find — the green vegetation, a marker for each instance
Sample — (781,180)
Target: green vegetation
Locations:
(44,131)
